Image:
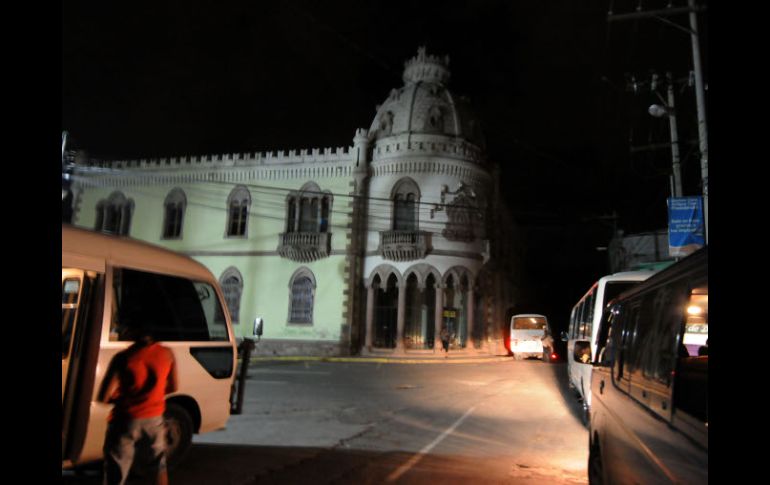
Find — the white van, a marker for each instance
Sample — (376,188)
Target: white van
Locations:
(649,417)
(109,281)
(527,331)
(583,325)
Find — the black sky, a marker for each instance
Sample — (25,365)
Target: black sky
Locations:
(546,78)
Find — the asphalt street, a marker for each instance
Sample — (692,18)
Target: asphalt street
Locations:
(355,422)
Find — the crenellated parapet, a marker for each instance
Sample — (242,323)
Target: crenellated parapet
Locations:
(248,159)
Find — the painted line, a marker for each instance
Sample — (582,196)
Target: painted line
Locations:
(417,457)
(379,360)
(289,372)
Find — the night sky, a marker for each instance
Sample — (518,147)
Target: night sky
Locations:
(547,79)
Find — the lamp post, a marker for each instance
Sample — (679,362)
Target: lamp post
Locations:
(668,108)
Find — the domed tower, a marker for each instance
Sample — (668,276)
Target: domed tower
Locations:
(427,190)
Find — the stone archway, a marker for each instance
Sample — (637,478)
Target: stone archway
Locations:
(419,315)
(385,324)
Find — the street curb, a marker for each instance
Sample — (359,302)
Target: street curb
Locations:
(384,360)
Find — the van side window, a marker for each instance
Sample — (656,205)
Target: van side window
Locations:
(627,327)
(604,343)
(668,306)
(588,317)
(691,381)
(176,309)
(581,320)
(70,289)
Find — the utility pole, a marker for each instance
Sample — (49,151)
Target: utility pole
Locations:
(701,102)
(660,15)
(669,109)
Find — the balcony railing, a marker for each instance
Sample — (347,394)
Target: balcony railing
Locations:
(304,247)
(403,245)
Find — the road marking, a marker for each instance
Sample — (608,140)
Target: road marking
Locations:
(284,371)
(417,457)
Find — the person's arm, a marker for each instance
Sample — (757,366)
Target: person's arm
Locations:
(172,383)
(109,384)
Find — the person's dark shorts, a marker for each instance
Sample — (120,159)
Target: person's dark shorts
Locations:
(120,442)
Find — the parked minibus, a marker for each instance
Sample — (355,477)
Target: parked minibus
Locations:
(109,282)
(583,324)
(527,331)
(649,412)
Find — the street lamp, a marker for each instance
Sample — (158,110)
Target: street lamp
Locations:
(667,109)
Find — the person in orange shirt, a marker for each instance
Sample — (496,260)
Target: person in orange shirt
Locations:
(136,382)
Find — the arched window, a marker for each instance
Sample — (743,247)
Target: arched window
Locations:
(308,210)
(113,215)
(406,197)
(231,282)
(175,205)
(301,296)
(434,121)
(238,204)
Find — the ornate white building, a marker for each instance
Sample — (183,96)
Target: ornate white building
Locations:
(370,248)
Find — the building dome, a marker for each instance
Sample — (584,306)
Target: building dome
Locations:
(424,105)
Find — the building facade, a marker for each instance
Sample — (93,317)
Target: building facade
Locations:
(370,248)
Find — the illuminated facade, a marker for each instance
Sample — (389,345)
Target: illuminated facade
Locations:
(369,248)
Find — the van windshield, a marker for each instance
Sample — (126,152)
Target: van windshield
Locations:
(529,323)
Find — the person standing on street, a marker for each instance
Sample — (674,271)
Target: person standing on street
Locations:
(136,382)
(445,340)
(547,345)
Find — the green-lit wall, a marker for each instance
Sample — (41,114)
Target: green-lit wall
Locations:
(266,275)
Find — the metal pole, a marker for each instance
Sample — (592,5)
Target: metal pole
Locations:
(700,98)
(674,138)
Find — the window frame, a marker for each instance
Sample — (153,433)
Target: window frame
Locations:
(301,274)
(401,204)
(238,209)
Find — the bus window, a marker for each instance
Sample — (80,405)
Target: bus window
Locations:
(588,316)
(580,326)
(696,330)
(70,289)
(177,309)
(529,323)
(614,288)
(691,381)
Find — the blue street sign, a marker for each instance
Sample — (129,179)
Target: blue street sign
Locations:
(685,225)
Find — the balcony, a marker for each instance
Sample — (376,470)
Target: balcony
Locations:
(304,247)
(403,245)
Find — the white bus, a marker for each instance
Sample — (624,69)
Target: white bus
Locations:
(527,332)
(108,282)
(584,323)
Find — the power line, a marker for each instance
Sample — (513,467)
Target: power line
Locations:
(196,191)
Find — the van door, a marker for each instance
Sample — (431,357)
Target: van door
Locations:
(81,312)
(71,288)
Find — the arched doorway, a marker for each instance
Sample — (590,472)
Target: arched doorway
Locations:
(419,324)
(455,311)
(385,312)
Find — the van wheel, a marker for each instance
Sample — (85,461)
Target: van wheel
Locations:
(178,433)
(178,442)
(595,465)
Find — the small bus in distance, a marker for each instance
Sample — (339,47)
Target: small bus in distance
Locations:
(527,332)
